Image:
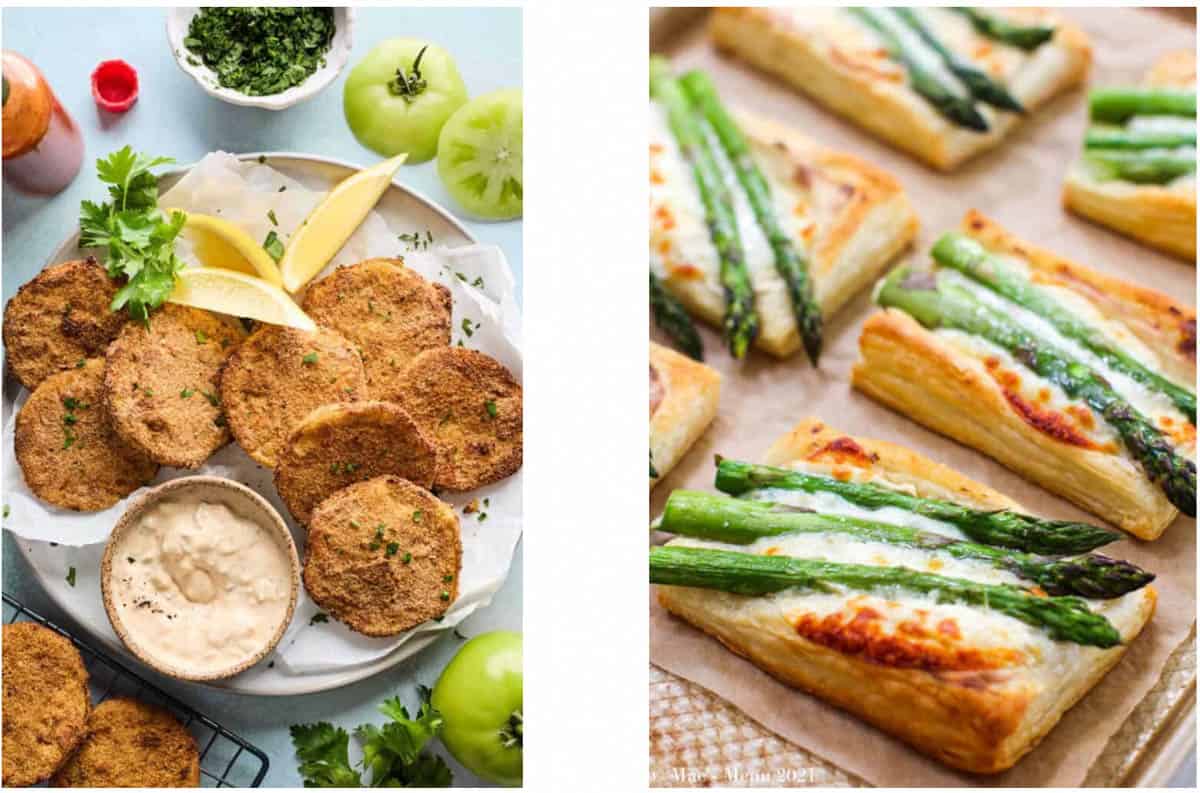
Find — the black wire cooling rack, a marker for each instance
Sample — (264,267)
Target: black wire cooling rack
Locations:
(221,750)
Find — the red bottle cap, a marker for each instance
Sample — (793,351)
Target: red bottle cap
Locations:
(115,86)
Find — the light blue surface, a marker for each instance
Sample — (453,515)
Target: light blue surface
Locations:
(173,116)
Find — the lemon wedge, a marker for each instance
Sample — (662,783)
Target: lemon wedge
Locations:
(328,227)
(238,294)
(222,244)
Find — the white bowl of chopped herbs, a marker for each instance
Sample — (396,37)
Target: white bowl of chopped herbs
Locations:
(268,57)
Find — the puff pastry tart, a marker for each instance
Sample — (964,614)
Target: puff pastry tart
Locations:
(942,84)
(1077,380)
(683,402)
(1137,174)
(901,591)
(829,217)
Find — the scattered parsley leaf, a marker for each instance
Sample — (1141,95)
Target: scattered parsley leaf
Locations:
(490,406)
(309,359)
(273,246)
(319,617)
(71,576)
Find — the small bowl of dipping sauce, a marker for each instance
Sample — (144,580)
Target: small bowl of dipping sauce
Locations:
(200,578)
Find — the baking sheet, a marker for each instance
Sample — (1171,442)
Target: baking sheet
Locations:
(1020,186)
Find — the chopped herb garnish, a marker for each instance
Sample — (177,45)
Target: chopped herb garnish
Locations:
(7,509)
(201,337)
(478,282)
(187,393)
(71,576)
(379,531)
(392,548)
(407,557)
(374,546)
(417,515)
(445,595)
(320,616)
(212,398)
(71,403)
(260,51)
(68,439)
(282,188)
(271,217)
(82,362)
(354,524)
(446,579)
(130,559)
(148,391)
(310,359)
(482,517)
(467,327)
(273,246)
(70,419)
(491,408)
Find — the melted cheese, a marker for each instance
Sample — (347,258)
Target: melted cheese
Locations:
(1153,405)
(680,243)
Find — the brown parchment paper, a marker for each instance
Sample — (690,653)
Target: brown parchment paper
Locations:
(1019,184)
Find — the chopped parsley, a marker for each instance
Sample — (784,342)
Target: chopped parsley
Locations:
(491,408)
(71,576)
(212,398)
(445,595)
(416,241)
(407,557)
(467,327)
(310,359)
(7,509)
(187,393)
(446,579)
(273,246)
(319,617)
(271,217)
(392,548)
(259,51)
(201,337)
(417,515)
(82,362)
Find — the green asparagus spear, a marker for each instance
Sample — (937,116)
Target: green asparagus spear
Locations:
(789,261)
(925,75)
(936,304)
(1002,528)
(1115,105)
(673,319)
(1025,37)
(1110,137)
(977,81)
(741,319)
(713,517)
(970,258)
(1157,166)
(1063,618)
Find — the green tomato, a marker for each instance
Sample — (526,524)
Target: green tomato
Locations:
(479,696)
(399,96)
(479,155)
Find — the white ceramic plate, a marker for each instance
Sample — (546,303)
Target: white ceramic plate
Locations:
(401,207)
(178,20)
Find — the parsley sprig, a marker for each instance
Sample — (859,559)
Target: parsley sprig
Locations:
(394,754)
(139,237)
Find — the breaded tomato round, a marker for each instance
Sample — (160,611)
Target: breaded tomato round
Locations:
(383,556)
(278,376)
(59,318)
(132,744)
(46,702)
(391,313)
(471,406)
(337,445)
(161,384)
(66,446)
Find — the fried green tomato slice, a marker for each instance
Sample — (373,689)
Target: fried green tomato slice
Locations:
(383,556)
(45,702)
(278,376)
(337,445)
(67,449)
(59,318)
(161,384)
(472,407)
(390,312)
(132,744)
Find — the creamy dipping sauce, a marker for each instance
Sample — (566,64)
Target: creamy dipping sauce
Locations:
(199,587)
